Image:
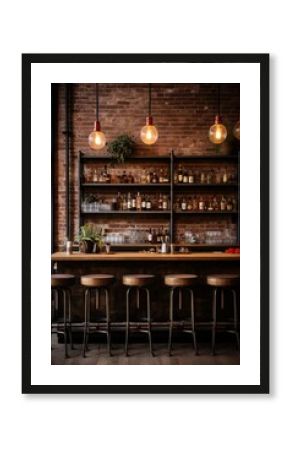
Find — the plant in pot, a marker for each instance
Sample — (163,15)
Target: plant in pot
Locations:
(121,148)
(90,239)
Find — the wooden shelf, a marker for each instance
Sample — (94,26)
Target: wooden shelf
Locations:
(128,212)
(209,157)
(91,156)
(206,212)
(205,185)
(126,185)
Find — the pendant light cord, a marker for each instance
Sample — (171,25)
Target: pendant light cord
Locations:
(97,101)
(219,100)
(149,103)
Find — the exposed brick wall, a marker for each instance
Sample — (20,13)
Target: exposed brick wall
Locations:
(182,113)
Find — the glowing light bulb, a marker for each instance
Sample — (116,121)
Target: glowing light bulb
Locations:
(236,130)
(97,139)
(149,133)
(217,132)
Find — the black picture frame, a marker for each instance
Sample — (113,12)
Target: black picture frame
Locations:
(263,61)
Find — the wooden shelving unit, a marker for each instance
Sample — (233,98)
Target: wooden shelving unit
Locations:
(171,188)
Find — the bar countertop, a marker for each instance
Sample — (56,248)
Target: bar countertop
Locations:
(145,256)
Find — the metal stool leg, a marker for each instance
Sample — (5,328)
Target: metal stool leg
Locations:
(149,320)
(127,321)
(64,293)
(170,321)
(214,313)
(69,319)
(86,322)
(193,321)
(108,321)
(236,317)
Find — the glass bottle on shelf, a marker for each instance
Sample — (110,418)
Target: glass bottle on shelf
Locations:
(138,201)
(161,176)
(95,178)
(180,174)
(183,204)
(114,204)
(165,203)
(210,204)
(202,177)
(129,201)
(160,202)
(148,177)
(178,204)
(185,177)
(225,176)
(154,178)
(189,205)
(223,204)
(130,178)
(190,177)
(218,177)
(133,202)
(148,203)
(229,205)
(201,204)
(143,177)
(165,176)
(195,204)
(215,204)
(108,176)
(150,236)
(175,177)
(124,203)
(119,201)
(143,203)
(209,177)
(124,177)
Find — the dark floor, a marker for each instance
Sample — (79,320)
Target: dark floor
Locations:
(183,354)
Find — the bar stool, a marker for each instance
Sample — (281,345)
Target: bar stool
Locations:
(61,284)
(222,282)
(181,282)
(95,284)
(139,283)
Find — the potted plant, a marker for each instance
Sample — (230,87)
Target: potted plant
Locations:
(121,148)
(90,239)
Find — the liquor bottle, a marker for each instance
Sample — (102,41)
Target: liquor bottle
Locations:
(160,202)
(183,204)
(119,202)
(158,237)
(229,205)
(165,177)
(133,202)
(185,177)
(114,204)
(210,204)
(201,205)
(161,176)
(202,177)
(148,177)
(154,236)
(215,204)
(138,201)
(164,203)
(124,203)
(130,178)
(225,176)
(124,177)
(223,204)
(167,236)
(190,177)
(148,203)
(143,203)
(150,236)
(180,174)
(95,176)
(195,205)
(175,177)
(129,201)
(108,176)
(154,178)
(189,205)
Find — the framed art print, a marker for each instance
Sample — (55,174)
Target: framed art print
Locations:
(145,232)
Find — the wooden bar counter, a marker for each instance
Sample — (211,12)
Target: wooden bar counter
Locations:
(119,263)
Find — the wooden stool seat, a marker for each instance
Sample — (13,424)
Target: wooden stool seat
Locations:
(180,280)
(137,280)
(62,280)
(97,280)
(223,280)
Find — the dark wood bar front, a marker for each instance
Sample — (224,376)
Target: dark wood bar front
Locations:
(120,263)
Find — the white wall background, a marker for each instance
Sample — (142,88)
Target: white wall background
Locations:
(173,421)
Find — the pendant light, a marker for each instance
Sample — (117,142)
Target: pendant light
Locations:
(97,139)
(236,130)
(218,132)
(149,133)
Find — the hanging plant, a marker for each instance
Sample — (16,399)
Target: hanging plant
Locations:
(121,148)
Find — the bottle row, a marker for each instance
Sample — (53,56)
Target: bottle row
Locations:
(161,202)
(150,176)
(215,203)
(224,175)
